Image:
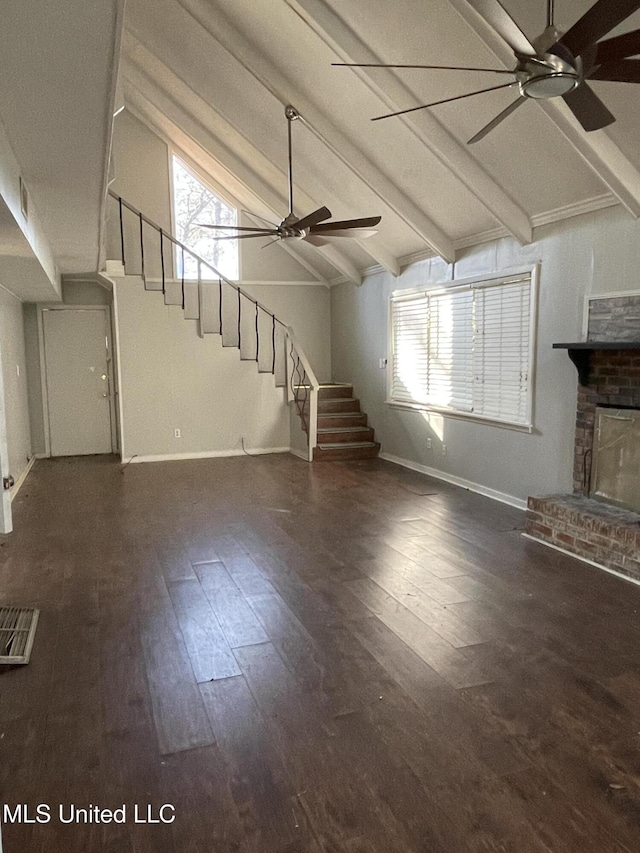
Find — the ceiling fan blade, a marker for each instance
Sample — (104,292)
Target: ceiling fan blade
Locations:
(357,233)
(432,67)
(496,121)
(444,101)
(245,236)
(271,243)
(315,240)
(601,18)
(311,219)
(345,224)
(233,228)
(588,108)
(497,16)
(619,47)
(623,71)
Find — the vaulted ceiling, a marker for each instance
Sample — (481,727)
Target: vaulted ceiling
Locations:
(213,77)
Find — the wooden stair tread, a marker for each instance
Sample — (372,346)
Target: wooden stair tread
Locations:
(345,445)
(341,429)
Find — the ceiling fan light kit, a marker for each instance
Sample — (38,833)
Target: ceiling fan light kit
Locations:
(555,78)
(555,64)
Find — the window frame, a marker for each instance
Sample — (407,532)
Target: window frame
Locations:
(494,279)
(211,185)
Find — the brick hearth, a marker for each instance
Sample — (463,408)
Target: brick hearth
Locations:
(589,529)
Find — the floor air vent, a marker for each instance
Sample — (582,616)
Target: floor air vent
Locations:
(17,631)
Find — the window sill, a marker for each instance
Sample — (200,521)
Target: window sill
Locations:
(464,416)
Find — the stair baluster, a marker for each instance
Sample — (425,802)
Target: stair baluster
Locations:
(141,248)
(198,303)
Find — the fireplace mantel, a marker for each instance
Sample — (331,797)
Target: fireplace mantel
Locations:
(580,353)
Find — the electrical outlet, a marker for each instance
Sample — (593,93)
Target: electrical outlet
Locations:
(382,363)
(444,449)
(428,444)
(177,434)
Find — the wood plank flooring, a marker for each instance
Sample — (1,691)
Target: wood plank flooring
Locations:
(307,659)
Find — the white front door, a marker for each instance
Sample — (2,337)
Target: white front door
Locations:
(77,379)
(6,524)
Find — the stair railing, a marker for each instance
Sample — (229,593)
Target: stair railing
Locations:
(302,390)
(199,299)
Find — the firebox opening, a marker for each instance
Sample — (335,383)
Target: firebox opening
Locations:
(615,470)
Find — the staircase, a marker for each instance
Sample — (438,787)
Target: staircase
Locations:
(328,422)
(342,428)
(220,307)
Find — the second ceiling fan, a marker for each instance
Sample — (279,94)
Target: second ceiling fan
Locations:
(312,228)
(554,64)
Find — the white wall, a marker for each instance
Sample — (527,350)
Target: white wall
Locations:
(171,378)
(594,253)
(33,271)
(14,371)
(141,167)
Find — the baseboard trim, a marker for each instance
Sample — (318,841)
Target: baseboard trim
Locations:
(582,559)
(18,484)
(517,503)
(205,454)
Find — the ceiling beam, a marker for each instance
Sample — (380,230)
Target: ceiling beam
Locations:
(596,148)
(455,156)
(200,123)
(386,260)
(285,91)
(173,134)
(341,262)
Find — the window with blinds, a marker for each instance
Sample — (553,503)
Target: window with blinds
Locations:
(466,349)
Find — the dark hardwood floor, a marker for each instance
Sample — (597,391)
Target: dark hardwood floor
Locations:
(346,657)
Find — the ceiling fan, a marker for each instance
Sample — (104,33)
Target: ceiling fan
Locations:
(313,228)
(555,64)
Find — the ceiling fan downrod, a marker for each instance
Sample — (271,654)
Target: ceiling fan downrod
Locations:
(292,115)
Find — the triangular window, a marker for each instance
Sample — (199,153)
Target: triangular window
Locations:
(193,203)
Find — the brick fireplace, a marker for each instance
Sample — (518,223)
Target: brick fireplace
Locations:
(609,383)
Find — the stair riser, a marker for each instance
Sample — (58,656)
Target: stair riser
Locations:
(333,437)
(328,406)
(357,419)
(340,391)
(348,453)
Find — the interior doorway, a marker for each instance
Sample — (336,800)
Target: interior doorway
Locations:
(78,380)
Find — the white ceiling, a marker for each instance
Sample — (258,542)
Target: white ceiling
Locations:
(58,62)
(213,76)
(219,74)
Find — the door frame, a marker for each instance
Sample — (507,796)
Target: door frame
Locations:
(6,519)
(58,306)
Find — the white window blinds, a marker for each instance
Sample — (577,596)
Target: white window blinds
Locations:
(465,349)
(502,352)
(410,350)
